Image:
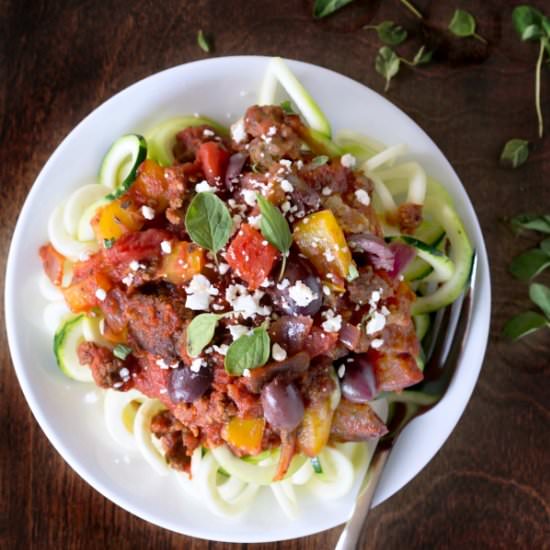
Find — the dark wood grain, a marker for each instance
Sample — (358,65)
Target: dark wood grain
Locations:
(489,485)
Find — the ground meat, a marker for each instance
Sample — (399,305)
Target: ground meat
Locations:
(189,140)
(316,385)
(107,370)
(395,371)
(350,219)
(361,289)
(249,404)
(356,422)
(155,323)
(409,216)
(331,176)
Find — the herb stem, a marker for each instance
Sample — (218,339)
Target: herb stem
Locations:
(283,267)
(479,37)
(412,9)
(537,88)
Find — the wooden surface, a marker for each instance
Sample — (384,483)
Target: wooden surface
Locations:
(488,487)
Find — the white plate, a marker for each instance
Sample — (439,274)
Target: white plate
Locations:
(220,88)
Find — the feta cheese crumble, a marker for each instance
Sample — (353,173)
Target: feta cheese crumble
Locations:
(199,293)
(278,353)
(197,364)
(166,247)
(362,196)
(333,322)
(100,294)
(238,133)
(204,187)
(348,161)
(302,294)
(376,323)
(147,212)
(377,343)
(286,186)
(237,331)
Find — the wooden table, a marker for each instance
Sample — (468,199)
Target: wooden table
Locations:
(489,484)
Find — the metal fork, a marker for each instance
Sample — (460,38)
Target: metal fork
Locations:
(445,345)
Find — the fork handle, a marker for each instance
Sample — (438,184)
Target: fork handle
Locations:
(352,531)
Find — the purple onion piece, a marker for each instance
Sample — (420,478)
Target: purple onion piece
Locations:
(380,254)
(234,168)
(403,255)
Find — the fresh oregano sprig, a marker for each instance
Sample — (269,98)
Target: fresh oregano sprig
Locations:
(532,25)
(515,153)
(463,25)
(248,352)
(203,43)
(389,33)
(200,332)
(387,62)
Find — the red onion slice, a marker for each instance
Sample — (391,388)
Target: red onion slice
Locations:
(234,168)
(403,255)
(379,253)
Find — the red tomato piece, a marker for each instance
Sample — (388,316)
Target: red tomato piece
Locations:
(214,161)
(319,342)
(140,246)
(53,263)
(83,295)
(251,256)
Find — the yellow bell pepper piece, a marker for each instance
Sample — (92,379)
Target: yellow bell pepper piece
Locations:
(185,261)
(113,220)
(322,241)
(245,434)
(314,430)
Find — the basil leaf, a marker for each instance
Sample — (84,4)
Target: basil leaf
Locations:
(121,351)
(273,225)
(533,222)
(387,64)
(462,24)
(523,324)
(529,264)
(208,221)
(204,45)
(515,153)
(540,295)
(528,22)
(322,8)
(319,161)
(422,56)
(545,246)
(201,331)
(248,352)
(286,106)
(389,33)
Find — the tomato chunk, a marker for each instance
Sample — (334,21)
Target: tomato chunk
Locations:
(87,293)
(185,261)
(319,342)
(53,263)
(214,161)
(251,256)
(151,185)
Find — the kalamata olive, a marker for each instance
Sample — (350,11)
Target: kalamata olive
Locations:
(297,269)
(283,405)
(359,382)
(186,385)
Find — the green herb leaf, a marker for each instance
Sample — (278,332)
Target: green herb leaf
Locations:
(463,25)
(528,22)
(387,64)
(322,8)
(121,351)
(286,106)
(412,9)
(203,43)
(422,56)
(389,33)
(545,246)
(515,153)
(108,243)
(273,225)
(319,161)
(523,324)
(316,465)
(540,295)
(208,221)
(248,352)
(201,331)
(529,264)
(533,222)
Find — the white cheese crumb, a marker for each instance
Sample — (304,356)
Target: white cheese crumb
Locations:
(199,293)
(329,256)
(134,265)
(249,196)
(362,196)
(326,290)
(222,350)
(246,372)
(207,132)
(272,130)
(348,161)
(245,304)
(254,221)
(326,191)
(197,364)
(124,373)
(238,133)
(223,268)
(237,331)
(377,343)
(100,294)
(278,353)
(341,371)
(166,247)
(302,294)
(285,283)
(286,186)
(385,311)
(161,363)
(147,212)
(333,322)
(285,207)
(128,280)
(286,163)
(376,324)
(204,187)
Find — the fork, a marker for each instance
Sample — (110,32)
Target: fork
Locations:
(445,346)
